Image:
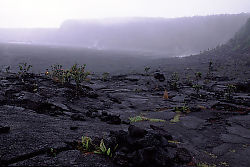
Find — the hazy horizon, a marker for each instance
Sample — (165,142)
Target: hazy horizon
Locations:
(51,14)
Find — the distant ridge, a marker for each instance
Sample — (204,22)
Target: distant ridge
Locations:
(237,49)
(241,41)
(168,37)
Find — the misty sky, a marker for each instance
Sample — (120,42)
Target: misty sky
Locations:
(51,13)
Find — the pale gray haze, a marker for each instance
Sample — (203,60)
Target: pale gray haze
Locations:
(51,13)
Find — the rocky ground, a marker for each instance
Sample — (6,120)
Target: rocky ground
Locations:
(42,122)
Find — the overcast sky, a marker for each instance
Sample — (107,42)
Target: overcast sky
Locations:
(51,13)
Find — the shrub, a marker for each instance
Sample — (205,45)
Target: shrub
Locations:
(76,73)
(229,91)
(210,69)
(57,73)
(174,81)
(146,69)
(197,88)
(7,69)
(105,76)
(24,69)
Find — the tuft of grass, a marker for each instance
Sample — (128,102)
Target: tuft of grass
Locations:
(224,163)
(88,147)
(174,142)
(142,118)
(52,152)
(210,154)
(205,165)
(137,119)
(156,120)
(176,117)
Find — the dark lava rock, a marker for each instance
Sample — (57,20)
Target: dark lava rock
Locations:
(243,87)
(159,77)
(231,108)
(136,132)
(92,94)
(161,132)
(115,100)
(195,109)
(5,129)
(221,78)
(111,119)
(183,155)
(78,117)
(2,100)
(142,148)
(73,128)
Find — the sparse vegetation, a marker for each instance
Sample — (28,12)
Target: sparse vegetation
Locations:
(197,89)
(105,76)
(146,69)
(52,152)
(174,81)
(7,69)
(142,118)
(56,73)
(210,69)
(198,76)
(174,142)
(229,91)
(78,74)
(176,117)
(102,149)
(75,73)
(183,109)
(24,69)
(205,165)
(87,146)
(86,143)
(189,81)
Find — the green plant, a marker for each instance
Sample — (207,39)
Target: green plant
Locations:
(87,146)
(198,76)
(230,90)
(138,90)
(56,73)
(105,76)
(24,69)
(78,74)
(174,81)
(137,119)
(104,150)
(205,165)
(197,89)
(146,69)
(176,117)
(174,142)
(86,141)
(184,109)
(142,118)
(52,152)
(210,69)
(189,81)
(66,76)
(75,73)
(7,69)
